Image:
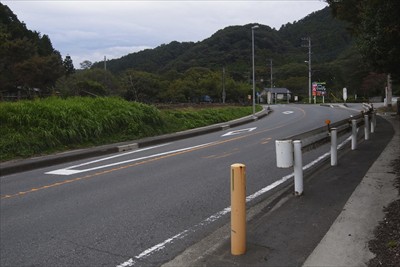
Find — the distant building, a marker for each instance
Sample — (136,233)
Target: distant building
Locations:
(273,95)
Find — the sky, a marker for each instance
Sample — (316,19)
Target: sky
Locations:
(91,30)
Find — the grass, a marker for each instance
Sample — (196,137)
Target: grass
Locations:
(43,126)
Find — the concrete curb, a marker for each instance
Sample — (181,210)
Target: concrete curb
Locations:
(16,166)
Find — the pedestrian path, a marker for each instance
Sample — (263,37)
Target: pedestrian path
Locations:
(329,225)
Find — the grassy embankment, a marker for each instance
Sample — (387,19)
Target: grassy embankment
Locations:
(30,128)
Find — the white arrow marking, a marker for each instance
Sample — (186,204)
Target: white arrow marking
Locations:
(240,131)
(288,112)
(69,171)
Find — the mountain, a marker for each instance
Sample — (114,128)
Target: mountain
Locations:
(335,59)
(231,47)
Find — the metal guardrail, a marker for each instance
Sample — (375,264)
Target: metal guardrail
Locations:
(289,150)
(317,137)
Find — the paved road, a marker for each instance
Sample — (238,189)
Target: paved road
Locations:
(143,207)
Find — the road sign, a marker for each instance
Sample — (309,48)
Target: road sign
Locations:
(318,88)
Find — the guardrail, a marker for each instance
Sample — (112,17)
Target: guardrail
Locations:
(289,150)
(289,153)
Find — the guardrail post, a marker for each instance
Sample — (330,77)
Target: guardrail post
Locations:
(366,127)
(298,168)
(238,209)
(373,121)
(333,146)
(353,134)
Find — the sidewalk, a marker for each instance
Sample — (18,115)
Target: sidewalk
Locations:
(329,226)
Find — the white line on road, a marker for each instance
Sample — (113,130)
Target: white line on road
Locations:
(239,131)
(218,215)
(288,112)
(70,171)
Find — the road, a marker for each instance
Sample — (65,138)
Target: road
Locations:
(143,207)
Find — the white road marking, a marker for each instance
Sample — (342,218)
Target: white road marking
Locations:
(70,171)
(218,215)
(239,131)
(288,112)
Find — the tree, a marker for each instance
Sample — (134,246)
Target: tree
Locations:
(86,64)
(27,59)
(40,72)
(377,27)
(68,66)
(45,48)
(88,82)
(140,86)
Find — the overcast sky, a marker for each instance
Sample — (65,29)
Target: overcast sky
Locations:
(90,30)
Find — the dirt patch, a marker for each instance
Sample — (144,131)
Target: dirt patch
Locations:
(386,244)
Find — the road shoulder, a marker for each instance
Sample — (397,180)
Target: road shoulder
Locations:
(346,242)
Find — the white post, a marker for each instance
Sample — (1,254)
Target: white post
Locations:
(333,147)
(284,153)
(298,168)
(353,134)
(373,121)
(366,127)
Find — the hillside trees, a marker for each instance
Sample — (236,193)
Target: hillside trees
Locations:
(27,59)
(376,24)
(185,72)
(333,57)
(140,86)
(95,82)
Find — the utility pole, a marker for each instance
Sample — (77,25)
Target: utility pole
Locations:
(389,91)
(270,60)
(223,85)
(271,71)
(309,65)
(254,80)
(105,63)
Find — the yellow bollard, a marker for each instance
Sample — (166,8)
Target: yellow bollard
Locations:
(238,209)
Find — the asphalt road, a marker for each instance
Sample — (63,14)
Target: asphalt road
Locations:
(143,207)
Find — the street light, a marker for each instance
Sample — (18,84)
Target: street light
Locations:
(271,80)
(308,39)
(254,78)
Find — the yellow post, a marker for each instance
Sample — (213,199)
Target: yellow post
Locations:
(238,209)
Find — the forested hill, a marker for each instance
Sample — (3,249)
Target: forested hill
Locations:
(231,47)
(27,58)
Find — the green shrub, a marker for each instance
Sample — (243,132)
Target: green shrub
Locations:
(47,125)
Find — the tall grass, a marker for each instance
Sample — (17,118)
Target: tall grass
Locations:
(46,125)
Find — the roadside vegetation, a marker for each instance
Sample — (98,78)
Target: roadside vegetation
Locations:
(53,124)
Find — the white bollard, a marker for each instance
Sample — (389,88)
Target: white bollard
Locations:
(333,146)
(353,134)
(373,121)
(298,168)
(366,127)
(284,153)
